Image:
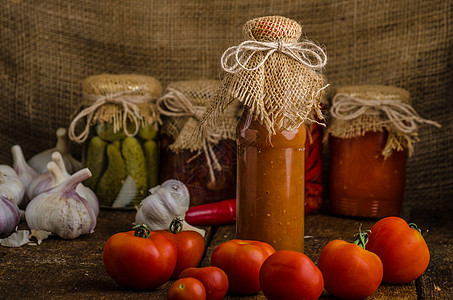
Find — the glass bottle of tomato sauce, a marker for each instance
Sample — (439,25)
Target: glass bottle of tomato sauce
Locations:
(371,132)
(278,81)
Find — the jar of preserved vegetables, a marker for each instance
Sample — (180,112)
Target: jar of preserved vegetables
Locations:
(119,137)
(209,178)
(373,129)
(277,79)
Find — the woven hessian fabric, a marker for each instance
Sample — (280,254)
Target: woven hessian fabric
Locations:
(47,48)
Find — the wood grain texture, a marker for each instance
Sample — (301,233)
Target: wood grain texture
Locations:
(73,269)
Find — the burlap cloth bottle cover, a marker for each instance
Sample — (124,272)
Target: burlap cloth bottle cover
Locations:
(117,99)
(356,110)
(273,73)
(183,104)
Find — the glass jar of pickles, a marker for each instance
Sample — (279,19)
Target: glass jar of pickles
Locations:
(372,130)
(120,145)
(209,176)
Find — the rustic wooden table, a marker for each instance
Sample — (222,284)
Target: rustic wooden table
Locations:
(69,269)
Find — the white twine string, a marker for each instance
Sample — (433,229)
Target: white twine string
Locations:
(305,52)
(403,116)
(124,98)
(176,104)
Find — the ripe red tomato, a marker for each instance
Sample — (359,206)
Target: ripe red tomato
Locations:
(241,260)
(349,270)
(290,275)
(214,280)
(402,249)
(190,246)
(139,262)
(187,288)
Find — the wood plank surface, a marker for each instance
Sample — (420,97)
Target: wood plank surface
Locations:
(73,269)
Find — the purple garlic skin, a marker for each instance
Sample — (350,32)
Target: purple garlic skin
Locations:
(61,210)
(9,216)
(11,187)
(83,191)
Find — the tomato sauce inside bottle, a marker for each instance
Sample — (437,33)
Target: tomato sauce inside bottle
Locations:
(270,184)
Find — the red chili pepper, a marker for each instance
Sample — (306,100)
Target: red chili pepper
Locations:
(217,213)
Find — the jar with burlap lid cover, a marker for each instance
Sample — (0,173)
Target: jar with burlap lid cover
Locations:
(207,164)
(277,78)
(372,130)
(119,124)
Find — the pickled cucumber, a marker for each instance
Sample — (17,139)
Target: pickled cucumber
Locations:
(152,162)
(95,161)
(134,159)
(105,131)
(149,132)
(113,178)
(117,144)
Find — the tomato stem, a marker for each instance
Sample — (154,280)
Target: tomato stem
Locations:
(361,239)
(414,226)
(175,225)
(141,231)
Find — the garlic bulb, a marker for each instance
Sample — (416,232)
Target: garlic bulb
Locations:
(11,187)
(61,210)
(40,160)
(45,181)
(167,201)
(81,189)
(23,170)
(9,216)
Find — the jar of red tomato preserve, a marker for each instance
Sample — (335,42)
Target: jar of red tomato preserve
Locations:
(209,176)
(277,79)
(372,130)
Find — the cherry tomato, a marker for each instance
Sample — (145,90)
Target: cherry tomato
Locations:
(136,260)
(290,275)
(349,270)
(190,246)
(214,280)
(241,260)
(401,247)
(187,288)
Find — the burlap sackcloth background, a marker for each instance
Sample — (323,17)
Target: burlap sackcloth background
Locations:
(47,48)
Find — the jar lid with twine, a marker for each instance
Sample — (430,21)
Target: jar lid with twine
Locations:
(356,110)
(117,99)
(182,106)
(273,73)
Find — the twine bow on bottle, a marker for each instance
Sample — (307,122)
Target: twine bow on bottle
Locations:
(240,57)
(401,115)
(125,99)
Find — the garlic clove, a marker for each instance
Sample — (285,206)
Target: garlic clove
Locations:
(24,171)
(9,216)
(11,186)
(167,201)
(39,161)
(45,181)
(81,189)
(61,210)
